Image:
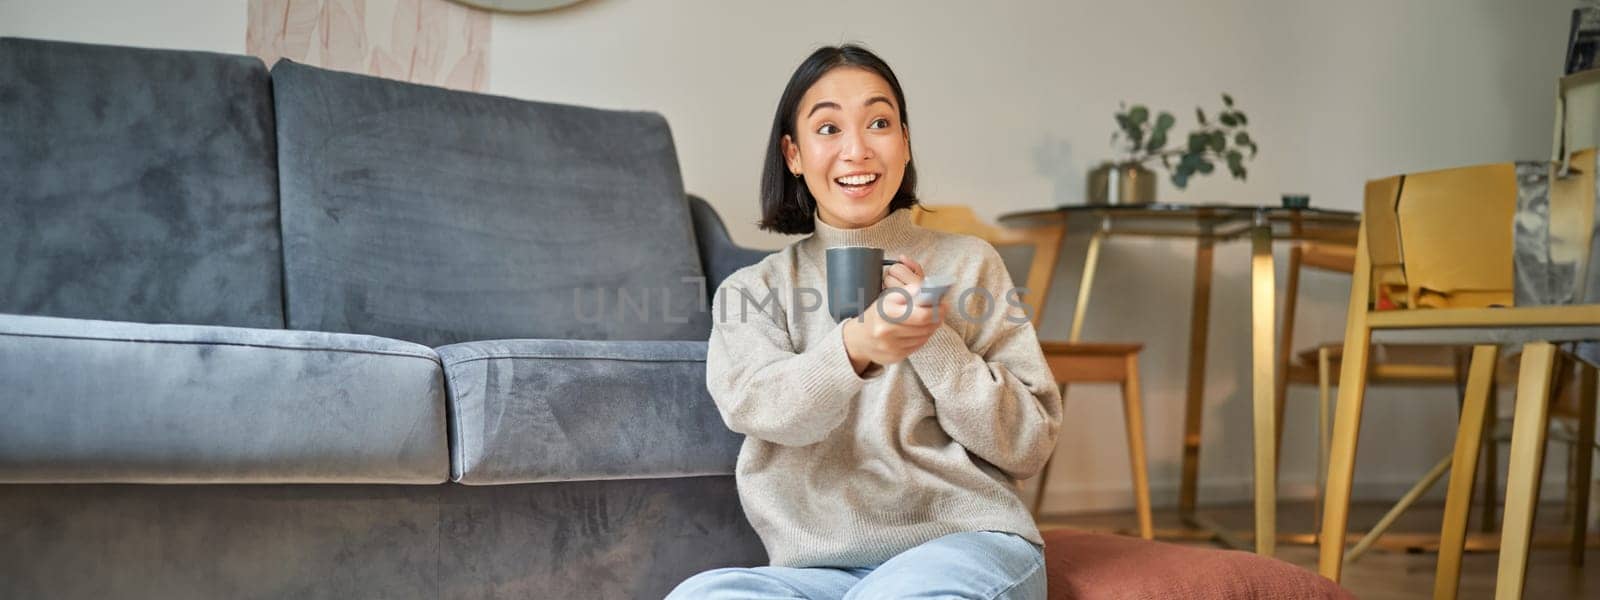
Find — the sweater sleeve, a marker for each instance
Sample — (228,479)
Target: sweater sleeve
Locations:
(996,397)
(762,386)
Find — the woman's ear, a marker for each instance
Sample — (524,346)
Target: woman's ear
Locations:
(906,129)
(791,155)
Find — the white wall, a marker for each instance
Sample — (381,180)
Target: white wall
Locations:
(212,25)
(1011,103)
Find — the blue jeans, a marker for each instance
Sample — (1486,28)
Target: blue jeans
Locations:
(984,565)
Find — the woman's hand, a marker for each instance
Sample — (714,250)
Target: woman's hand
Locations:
(907,274)
(892,327)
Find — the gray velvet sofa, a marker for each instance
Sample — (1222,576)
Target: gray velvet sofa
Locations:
(308,334)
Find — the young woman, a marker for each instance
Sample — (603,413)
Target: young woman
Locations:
(882,454)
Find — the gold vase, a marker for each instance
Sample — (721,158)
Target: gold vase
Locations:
(1124,183)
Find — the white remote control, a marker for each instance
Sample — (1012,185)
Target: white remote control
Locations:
(933,288)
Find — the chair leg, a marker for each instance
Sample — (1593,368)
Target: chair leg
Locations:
(1585,444)
(1324,390)
(1569,507)
(1566,369)
(1347,417)
(1528,430)
(1133,417)
(1342,453)
(1458,497)
(1491,463)
(1044,474)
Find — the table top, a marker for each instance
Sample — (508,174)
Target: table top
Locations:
(1217,221)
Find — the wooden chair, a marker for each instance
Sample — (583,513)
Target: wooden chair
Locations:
(1417,365)
(1438,248)
(1071,361)
(1319,366)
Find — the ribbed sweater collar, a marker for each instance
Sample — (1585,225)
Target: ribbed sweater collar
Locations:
(893,231)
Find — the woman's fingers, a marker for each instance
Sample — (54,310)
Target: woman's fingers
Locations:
(906,273)
(901,325)
(912,265)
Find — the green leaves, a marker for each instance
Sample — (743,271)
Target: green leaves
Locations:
(1243,139)
(1190,164)
(1138,114)
(1133,124)
(1158,137)
(1236,164)
(1209,145)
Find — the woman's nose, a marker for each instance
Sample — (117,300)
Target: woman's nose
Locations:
(855,147)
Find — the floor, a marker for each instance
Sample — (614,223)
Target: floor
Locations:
(1401,567)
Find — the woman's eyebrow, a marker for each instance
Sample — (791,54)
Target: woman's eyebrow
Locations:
(834,105)
(821,105)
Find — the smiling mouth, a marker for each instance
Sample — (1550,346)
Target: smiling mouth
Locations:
(856,182)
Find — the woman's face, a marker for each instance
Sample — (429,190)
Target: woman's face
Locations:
(850,146)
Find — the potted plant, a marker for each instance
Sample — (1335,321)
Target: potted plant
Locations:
(1143,140)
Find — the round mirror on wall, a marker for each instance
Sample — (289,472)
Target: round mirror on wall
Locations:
(518,6)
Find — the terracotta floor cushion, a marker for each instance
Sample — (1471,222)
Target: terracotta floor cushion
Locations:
(1093,566)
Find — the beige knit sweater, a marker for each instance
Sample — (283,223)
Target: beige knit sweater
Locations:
(842,470)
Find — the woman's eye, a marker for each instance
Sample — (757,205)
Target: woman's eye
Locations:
(827,129)
(878,123)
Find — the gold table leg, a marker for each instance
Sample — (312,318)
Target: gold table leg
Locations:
(1091,260)
(1194,400)
(1263,387)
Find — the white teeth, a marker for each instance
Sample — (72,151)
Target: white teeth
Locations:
(857,179)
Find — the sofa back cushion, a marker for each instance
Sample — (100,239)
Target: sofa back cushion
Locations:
(137,185)
(438,216)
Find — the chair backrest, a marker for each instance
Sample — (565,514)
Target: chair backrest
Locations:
(1501,234)
(1043,244)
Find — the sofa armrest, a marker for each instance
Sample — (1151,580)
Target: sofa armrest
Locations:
(116,402)
(719,256)
(531,411)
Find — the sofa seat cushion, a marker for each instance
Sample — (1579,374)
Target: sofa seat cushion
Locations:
(525,411)
(117,402)
(1099,566)
(439,217)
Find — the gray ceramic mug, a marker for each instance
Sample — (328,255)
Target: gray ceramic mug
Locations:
(855,277)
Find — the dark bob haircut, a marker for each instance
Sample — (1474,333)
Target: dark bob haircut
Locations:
(786,206)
